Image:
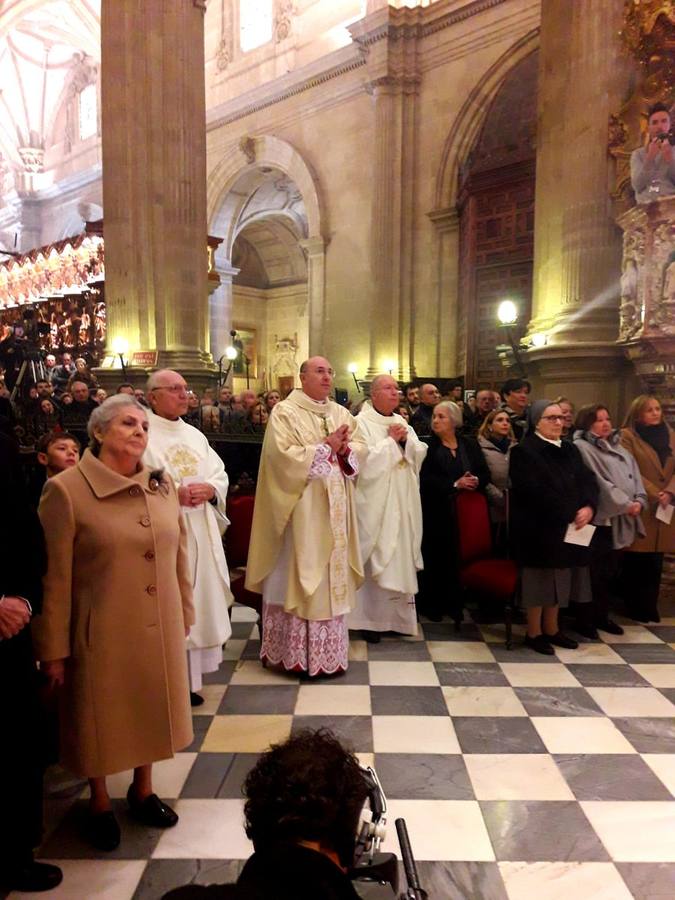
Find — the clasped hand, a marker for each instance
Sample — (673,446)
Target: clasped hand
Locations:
(662,147)
(14,616)
(398,432)
(338,440)
(467,482)
(195,494)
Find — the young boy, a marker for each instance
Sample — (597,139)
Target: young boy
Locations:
(58,451)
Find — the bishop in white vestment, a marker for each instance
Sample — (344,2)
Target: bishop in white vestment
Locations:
(389,513)
(202,483)
(304,552)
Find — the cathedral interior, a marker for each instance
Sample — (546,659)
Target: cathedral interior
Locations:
(368,180)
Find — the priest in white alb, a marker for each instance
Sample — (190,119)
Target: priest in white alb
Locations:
(304,554)
(390,516)
(202,483)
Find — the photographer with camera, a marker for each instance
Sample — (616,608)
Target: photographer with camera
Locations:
(652,167)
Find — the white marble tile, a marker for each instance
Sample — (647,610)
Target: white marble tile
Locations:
(661,676)
(634,830)
(624,702)
(580,734)
(563,880)
(440,830)
(395,672)
(663,766)
(243,614)
(482,701)
(593,654)
(516,776)
(251,671)
(414,734)
(632,634)
(538,675)
(208,829)
(168,777)
(358,651)
(85,879)
(460,651)
(234,648)
(338,700)
(366,759)
(212,694)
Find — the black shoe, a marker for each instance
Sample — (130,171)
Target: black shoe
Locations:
(152,811)
(654,617)
(561,640)
(587,631)
(103,831)
(34,877)
(196,699)
(540,644)
(610,627)
(371,637)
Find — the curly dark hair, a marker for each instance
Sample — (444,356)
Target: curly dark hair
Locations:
(308,788)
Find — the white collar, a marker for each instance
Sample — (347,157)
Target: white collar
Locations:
(557,443)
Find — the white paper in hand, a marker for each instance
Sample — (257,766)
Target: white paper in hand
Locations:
(664,513)
(579,536)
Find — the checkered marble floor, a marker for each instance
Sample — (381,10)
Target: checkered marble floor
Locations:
(519,776)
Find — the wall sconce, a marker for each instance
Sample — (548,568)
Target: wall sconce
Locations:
(389,365)
(230,354)
(539,339)
(507,312)
(507,315)
(120,347)
(352,368)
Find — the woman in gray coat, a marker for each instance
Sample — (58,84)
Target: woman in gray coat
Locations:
(617,520)
(495,439)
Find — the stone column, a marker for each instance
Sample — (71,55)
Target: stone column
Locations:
(446,309)
(577,245)
(314,249)
(220,310)
(154,179)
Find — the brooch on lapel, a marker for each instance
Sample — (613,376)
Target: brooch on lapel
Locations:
(157,482)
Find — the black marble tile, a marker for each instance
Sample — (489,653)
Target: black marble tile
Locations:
(356,732)
(224,673)
(551,701)
(599,776)
(461,880)
(251,650)
(432,776)
(497,734)
(470,674)
(669,693)
(242,630)
(406,651)
(207,775)
(532,830)
(200,725)
(244,699)
(162,875)
(241,765)
(446,631)
(69,839)
(645,653)
(648,735)
(519,653)
(649,881)
(606,675)
(407,701)
(665,632)
(357,673)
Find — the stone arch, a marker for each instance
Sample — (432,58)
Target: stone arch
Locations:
(469,121)
(227,186)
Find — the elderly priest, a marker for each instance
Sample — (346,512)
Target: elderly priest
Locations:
(304,556)
(389,515)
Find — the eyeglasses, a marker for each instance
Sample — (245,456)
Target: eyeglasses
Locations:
(172,389)
(554,418)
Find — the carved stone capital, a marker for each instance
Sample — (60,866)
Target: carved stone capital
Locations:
(33,159)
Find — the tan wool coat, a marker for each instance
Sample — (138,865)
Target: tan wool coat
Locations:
(660,538)
(117,600)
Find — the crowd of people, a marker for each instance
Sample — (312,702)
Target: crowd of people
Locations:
(355,526)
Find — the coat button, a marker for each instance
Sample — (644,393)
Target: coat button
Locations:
(151,589)
(149,555)
(135,491)
(145,521)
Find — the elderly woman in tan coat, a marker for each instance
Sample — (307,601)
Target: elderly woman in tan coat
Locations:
(648,437)
(117,609)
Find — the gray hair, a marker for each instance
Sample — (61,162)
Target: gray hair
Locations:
(153,378)
(454,411)
(103,415)
(375,383)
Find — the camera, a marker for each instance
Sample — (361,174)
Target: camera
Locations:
(666,136)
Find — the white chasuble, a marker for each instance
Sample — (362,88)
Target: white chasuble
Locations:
(184,453)
(389,513)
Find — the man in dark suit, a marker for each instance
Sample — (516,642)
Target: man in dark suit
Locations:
(22,563)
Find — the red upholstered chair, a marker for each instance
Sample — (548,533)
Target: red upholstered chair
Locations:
(480,573)
(237,540)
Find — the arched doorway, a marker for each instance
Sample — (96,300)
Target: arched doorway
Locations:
(270,261)
(496,216)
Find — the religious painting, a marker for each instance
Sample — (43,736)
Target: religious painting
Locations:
(246,342)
